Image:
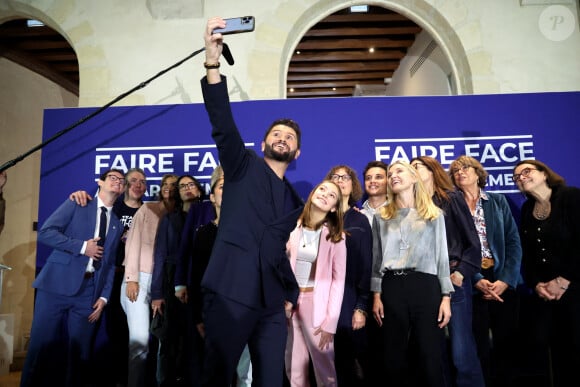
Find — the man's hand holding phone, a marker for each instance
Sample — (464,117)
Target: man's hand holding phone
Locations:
(236,25)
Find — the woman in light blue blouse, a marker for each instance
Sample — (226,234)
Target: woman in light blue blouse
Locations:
(410,277)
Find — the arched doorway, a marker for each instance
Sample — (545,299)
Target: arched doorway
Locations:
(429,44)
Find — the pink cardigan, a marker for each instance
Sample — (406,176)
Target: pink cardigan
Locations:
(328,279)
(141,240)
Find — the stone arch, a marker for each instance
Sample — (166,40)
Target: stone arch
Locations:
(19,11)
(421,12)
(13,9)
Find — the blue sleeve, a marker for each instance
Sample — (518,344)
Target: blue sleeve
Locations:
(470,262)
(160,253)
(364,263)
(52,232)
(231,148)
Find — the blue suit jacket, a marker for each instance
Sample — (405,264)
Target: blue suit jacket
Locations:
(66,230)
(248,262)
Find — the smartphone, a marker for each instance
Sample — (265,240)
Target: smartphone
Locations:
(237,25)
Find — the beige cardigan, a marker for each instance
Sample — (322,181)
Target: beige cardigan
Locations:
(141,240)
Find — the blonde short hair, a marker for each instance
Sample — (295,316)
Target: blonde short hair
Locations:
(217,175)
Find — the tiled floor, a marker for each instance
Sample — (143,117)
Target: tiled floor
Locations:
(10,380)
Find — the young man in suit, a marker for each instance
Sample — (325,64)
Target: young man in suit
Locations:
(248,280)
(73,287)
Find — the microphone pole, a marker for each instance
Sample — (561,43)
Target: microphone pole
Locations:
(16,160)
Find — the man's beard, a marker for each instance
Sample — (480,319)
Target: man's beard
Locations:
(285,157)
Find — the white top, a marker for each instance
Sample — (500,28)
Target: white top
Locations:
(306,259)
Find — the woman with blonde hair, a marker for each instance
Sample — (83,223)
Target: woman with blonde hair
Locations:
(410,277)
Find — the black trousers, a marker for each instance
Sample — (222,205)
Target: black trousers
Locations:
(411,305)
(497,352)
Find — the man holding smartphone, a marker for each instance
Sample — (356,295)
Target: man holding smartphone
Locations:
(248,282)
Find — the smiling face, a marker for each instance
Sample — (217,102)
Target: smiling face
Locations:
(136,185)
(376,182)
(114,182)
(528,177)
(168,185)
(281,144)
(401,178)
(464,176)
(325,197)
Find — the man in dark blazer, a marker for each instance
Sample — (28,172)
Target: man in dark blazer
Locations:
(73,287)
(248,280)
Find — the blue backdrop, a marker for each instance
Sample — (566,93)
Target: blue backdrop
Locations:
(498,130)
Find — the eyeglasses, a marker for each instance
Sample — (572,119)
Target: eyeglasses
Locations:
(463,168)
(524,173)
(337,177)
(190,185)
(115,178)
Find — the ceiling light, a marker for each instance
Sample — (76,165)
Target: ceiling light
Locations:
(298,52)
(34,23)
(371,50)
(292,90)
(359,8)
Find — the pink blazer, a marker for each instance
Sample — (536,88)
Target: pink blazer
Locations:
(328,279)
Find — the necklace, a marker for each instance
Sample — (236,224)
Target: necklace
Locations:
(541,212)
(310,237)
(405,228)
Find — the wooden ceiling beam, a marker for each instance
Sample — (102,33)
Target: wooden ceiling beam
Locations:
(361,43)
(338,83)
(56,56)
(347,55)
(31,63)
(342,67)
(358,31)
(19,32)
(342,92)
(36,45)
(364,18)
(338,76)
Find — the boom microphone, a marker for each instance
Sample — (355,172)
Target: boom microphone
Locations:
(227,54)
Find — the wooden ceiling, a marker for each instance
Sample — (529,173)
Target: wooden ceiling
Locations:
(42,50)
(335,55)
(331,59)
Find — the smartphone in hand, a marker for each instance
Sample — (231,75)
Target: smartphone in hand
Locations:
(237,25)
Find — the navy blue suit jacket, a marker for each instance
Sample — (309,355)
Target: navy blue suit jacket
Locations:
(249,263)
(66,230)
(359,259)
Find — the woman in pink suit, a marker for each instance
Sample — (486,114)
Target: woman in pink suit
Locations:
(317,253)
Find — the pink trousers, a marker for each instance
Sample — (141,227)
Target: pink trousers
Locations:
(303,345)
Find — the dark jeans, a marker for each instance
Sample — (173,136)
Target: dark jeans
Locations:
(465,362)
